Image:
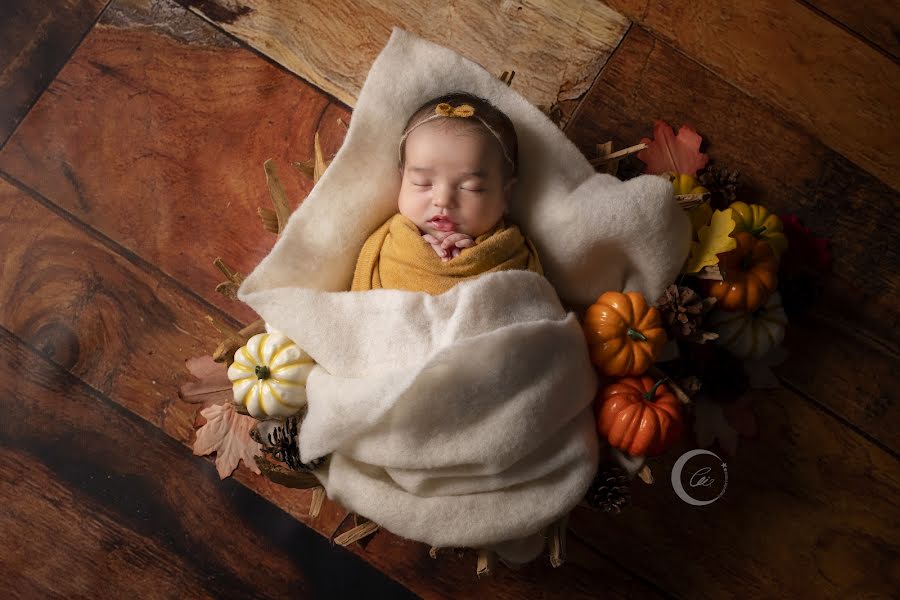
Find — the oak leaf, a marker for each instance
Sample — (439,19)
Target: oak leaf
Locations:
(227,433)
(714,239)
(668,153)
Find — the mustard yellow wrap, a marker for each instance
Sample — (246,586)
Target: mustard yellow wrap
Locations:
(396,257)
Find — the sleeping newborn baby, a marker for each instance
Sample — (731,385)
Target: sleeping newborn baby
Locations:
(458,166)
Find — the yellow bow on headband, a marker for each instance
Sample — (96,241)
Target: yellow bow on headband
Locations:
(445,110)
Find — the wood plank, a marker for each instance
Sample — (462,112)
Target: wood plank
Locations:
(836,86)
(875,21)
(44,518)
(848,372)
(811,510)
(126,330)
(555,48)
(140,136)
(854,336)
(98,502)
(36,39)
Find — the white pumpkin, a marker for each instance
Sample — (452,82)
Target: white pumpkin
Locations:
(751,335)
(269,375)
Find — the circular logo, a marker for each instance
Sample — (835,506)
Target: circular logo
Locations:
(701,482)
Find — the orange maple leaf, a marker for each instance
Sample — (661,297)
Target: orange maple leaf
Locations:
(227,433)
(668,153)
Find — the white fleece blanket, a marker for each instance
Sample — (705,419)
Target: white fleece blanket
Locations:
(462,419)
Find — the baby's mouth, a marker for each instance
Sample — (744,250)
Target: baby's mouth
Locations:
(442,223)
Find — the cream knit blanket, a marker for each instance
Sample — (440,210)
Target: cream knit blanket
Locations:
(461,419)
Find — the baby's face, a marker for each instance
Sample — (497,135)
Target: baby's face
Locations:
(453,180)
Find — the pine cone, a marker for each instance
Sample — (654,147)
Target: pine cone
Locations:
(282,444)
(610,490)
(722,184)
(682,310)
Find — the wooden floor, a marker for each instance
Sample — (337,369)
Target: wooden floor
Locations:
(132,139)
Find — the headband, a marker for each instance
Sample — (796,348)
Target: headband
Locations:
(463,111)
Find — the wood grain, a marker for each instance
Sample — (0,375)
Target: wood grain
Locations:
(836,86)
(873,20)
(126,329)
(849,373)
(555,48)
(141,137)
(851,338)
(97,503)
(811,510)
(92,311)
(36,39)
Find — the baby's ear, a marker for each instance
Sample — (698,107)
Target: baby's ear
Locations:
(508,187)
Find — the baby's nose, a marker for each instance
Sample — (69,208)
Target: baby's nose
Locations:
(442,197)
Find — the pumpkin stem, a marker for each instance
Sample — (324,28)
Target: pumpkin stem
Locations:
(758,231)
(636,335)
(650,395)
(262,371)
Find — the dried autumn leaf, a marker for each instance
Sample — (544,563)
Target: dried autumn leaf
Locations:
(714,239)
(741,418)
(279,199)
(227,433)
(213,386)
(711,424)
(668,153)
(726,423)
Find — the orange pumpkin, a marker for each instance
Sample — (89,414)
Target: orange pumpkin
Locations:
(639,416)
(749,275)
(624,334)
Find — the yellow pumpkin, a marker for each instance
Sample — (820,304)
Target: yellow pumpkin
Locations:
(751,335)
(686,184)
(762,224)
(269,376)
(624,334)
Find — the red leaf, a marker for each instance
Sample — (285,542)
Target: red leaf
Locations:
(805,251)
(668,153)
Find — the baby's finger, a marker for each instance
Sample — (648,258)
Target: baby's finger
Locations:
(465,243)
(430,239)
(451,240)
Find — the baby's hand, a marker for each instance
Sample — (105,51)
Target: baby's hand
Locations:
(454,243)
(449,246)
